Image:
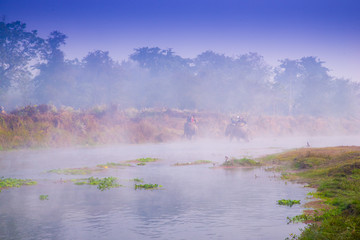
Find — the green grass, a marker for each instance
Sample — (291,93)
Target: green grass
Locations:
(243,162)
(14,182)
(335,172)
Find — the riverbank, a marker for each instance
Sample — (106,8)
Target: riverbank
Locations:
(335,173)
(46,126)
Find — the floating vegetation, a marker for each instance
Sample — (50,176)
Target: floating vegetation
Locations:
(44,197)
(288,202)
(147,186)
(113,165)
(14,182)
(102,183)
(76,171)
(142,161)
(138,180)
(147,159)
(198,162)
(243,162)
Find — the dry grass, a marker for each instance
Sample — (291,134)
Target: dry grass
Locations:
(44,125)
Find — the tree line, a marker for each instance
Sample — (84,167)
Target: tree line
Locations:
(33,70)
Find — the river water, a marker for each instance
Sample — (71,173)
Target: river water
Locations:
(194,202)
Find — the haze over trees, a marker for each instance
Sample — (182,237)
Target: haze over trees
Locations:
(34,70)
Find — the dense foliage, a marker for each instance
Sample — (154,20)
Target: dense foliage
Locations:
(34,70)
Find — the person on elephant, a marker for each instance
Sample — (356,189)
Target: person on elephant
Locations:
(238,121)
(191,119)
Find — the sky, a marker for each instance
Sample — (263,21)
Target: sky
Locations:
(276,29)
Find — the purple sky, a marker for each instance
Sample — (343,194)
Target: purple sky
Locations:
(278,29)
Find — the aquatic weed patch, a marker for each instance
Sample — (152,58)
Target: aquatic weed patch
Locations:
(138,180)
(198,162)
(76,171)
(44,197)
(113,165)
(102,183)
(145,160)
(142,161)
(14,182)
(288,202)
(147,186)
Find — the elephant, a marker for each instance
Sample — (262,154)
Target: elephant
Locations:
(190,129)
(237,131)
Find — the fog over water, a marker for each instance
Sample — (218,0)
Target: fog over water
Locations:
(198,201)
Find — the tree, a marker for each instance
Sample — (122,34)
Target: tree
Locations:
(168,80)
(101,79)
(17,48)
(52,83)
(289,84)
(157,59)
(52,53)
(307,88)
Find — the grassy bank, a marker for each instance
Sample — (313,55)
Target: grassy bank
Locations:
(335,173)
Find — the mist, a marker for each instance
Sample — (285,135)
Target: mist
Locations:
(159,78)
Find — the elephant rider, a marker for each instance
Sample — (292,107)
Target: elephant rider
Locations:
(191,119)
(238,120)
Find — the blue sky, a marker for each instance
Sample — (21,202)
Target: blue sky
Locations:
(276,29)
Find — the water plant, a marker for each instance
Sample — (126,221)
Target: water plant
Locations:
(14,182)
(113,165)
(197,162)
(148,159)
(102,183)
(147,186)
(288,202)
(44,197)
(141,164)
(138,180)
(76,171)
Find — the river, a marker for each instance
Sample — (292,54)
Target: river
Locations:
(194,202)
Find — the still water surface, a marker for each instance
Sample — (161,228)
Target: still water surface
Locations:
(195,202)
